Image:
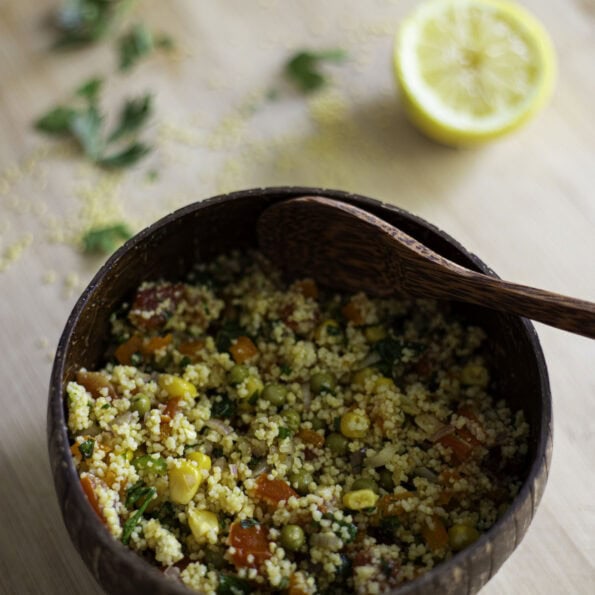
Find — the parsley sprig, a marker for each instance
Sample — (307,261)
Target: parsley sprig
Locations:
(84,123)
(303,68)
(105,239)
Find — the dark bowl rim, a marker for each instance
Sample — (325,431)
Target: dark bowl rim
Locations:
(56,412)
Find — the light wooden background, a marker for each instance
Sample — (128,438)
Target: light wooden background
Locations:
(526,205)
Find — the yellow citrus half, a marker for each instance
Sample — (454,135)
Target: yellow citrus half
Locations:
(472,70)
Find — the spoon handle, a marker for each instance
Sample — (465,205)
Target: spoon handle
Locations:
(560,311)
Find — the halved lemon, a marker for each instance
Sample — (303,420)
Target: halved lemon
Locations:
(472,70)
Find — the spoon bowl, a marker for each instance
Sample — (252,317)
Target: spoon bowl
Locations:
(344,246)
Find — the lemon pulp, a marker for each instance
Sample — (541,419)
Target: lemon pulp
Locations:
(471,70)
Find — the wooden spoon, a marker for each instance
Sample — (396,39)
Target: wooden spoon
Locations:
(347,248)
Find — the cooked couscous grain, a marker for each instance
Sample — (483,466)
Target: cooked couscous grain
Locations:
(249,437)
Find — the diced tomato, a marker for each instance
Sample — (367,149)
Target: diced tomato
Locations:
(171,408)
(310,437)
(88,483)
(156,343)
(434,533)
(126,350)
(243,349)
(191,347)
(273,491)
(390,505)
(307,287)
(460,449)
(250,540)
(353,313)
(297,585)
(95,383)
(153,305)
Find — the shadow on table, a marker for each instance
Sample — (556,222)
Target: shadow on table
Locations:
(371,149)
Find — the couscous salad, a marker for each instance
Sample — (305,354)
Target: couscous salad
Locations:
(247,436)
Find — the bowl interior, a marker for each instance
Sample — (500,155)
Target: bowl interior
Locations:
(168,249)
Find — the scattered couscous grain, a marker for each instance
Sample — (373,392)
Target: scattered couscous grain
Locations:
(246,436)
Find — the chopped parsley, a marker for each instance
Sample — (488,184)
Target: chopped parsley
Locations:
(86,449)
(284,433)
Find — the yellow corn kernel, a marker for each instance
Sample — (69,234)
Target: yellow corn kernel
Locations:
(360,499)
(375,333)
(354,424)
(204,525)
(384,383)
(252,386)
(328,327)
(175,386)
(475,375)
(202,460)
(184,480)
(361,376)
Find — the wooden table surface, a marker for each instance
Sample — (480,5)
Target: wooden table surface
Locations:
(525,204)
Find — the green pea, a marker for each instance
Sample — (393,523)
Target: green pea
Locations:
(386,480)
(364,483)
(461,535)
(323,382)
(141,404)
(274,394)
(337,443)
(238,374)
(292,419)
(301,481)
(292,537)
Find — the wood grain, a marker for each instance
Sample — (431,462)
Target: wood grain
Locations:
(524,204)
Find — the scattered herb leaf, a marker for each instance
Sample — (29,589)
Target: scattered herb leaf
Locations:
(90,90)
(139,42)
(133,115)
(104,240)
(303,68)
(56,121)
(134,494)
(81,22)
(126,157)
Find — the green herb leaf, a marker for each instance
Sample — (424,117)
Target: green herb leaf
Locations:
(86,449)
(133,495)
(227,334)
(128,156)
(233,585)
(90,90)
(104,240)
(284,433)
(303,68)
(223,408)
(81,22)
(285,369)
(56,121)
(150,463)
(135,44)
(85,127)
(247,523)
(133,115)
